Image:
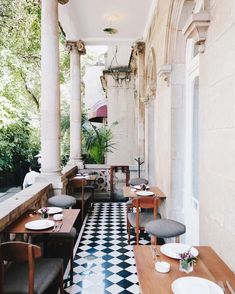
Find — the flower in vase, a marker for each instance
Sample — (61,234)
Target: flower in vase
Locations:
(187,260)
(44,212)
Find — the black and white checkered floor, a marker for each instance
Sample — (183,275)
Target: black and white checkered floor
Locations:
(104,262)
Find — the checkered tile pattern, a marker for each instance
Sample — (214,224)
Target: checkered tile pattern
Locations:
(104,262)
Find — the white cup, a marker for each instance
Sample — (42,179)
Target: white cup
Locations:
(58,217)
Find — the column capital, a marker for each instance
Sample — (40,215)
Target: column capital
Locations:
(63,1)
(139,47)
(165,72)
(197,27)
(76,45)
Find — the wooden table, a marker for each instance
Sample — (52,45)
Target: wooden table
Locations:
(209,266)
(131,194)
(18,226)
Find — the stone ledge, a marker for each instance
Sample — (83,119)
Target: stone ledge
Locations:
(31,197)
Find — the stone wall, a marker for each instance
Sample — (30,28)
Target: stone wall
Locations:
(216,118)
(121,109)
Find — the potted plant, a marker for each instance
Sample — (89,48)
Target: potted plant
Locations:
(187,260)
(44,212)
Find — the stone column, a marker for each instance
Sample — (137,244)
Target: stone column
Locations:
(76,49)
(50,95)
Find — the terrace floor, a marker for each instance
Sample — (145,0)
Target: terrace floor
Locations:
(104,262)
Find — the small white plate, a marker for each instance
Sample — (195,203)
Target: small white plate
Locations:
(144,193)
(162,266)
(195,285)
(41,224)
(174,249)
(52,210)
(138,187)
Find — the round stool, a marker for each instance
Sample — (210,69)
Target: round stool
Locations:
(138,181)
(63,201)
(165,228)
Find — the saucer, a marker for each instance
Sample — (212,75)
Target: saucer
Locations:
(162,266)
(58,217)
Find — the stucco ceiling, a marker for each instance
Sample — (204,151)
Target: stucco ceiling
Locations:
(86,19)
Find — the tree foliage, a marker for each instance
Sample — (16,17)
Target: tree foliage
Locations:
(17,145)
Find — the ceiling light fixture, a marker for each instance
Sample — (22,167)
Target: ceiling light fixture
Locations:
(110,31)
(110,18)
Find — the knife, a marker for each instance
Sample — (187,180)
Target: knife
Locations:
(230,287)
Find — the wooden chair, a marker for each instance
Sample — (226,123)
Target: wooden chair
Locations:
(76,188)
(139,219)
(23,271)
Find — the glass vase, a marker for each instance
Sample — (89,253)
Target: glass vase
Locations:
(44,215)
(186,266)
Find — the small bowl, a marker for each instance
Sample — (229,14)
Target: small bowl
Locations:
(58,217)
(162,266)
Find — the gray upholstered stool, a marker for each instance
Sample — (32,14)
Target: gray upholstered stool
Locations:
(165,228)
(138,181)
(60,240)
(63,201)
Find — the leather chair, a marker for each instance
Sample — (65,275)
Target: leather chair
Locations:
(22,270)
(139,219)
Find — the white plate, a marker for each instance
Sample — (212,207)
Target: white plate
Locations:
(173,249)
(41,224)
(52,210)
(195,285)
(138,187)
(144,193)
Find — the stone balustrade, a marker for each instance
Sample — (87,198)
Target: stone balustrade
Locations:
(33,197)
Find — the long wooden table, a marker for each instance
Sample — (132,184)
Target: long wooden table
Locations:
(209,266)
(127,192)
(69,218)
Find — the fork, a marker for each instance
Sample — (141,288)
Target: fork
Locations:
(154,251)
(55,227)
(221,284)
(59,227)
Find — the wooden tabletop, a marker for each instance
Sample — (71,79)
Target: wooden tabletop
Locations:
(209,266)
(69,218)
(131,194)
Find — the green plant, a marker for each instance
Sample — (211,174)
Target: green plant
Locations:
(18,145)
(97,141)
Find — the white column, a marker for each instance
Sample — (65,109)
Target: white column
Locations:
(50,89)
(76,49)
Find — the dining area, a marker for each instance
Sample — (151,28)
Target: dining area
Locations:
(123,247)
(160,271)
(172,267)
(30,250)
